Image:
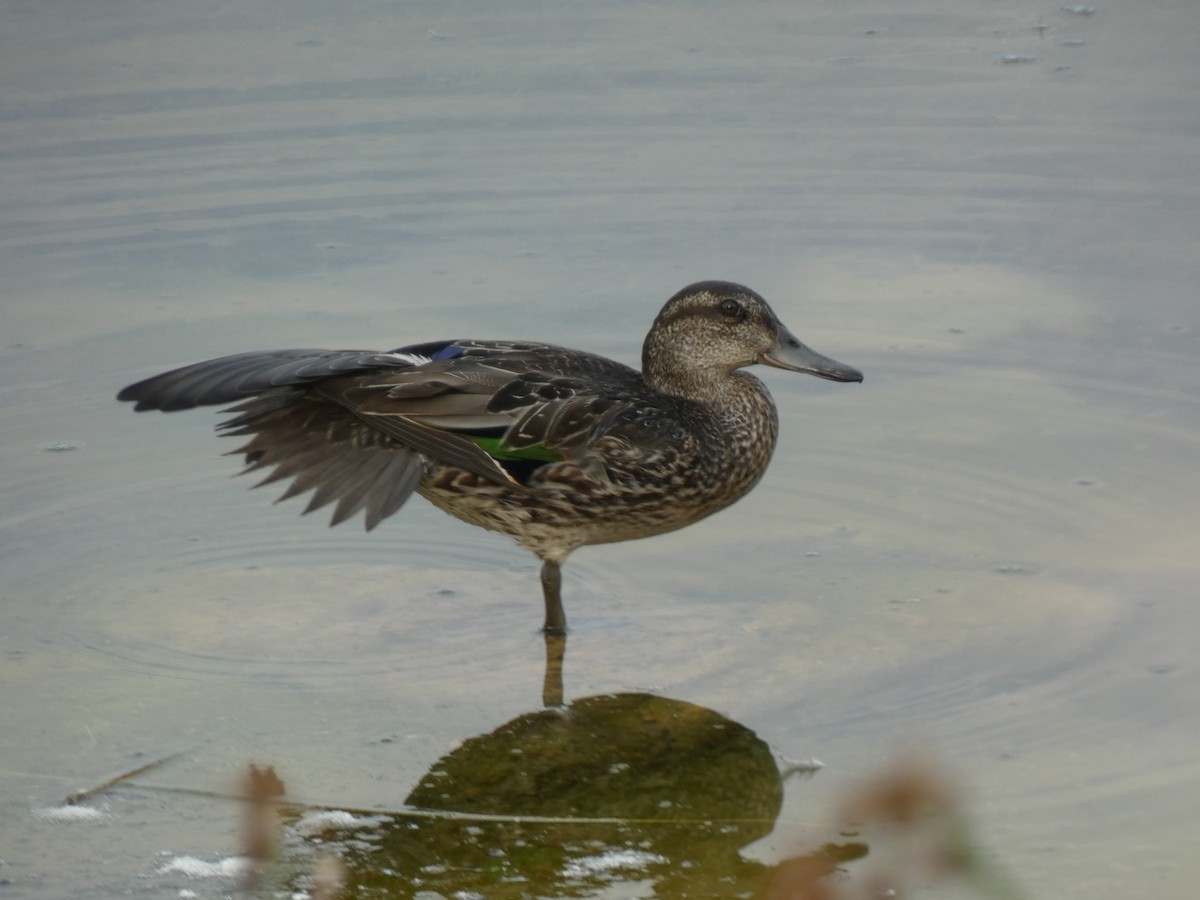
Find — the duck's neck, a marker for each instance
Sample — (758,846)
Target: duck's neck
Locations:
(744,428)
(747,414)
(736,424)
(737,403)
(670,367)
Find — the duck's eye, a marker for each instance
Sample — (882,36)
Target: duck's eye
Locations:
(731,309)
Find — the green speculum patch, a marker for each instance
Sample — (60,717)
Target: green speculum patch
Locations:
(492,446)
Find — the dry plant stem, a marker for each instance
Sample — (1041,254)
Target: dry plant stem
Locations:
(329,877)
(925,831)
(262,788)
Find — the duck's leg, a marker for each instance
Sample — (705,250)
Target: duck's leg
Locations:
(556,619)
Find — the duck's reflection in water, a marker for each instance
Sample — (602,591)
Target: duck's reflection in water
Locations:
(622,789)
(552,683)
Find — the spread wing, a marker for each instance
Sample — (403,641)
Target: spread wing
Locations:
(352,426)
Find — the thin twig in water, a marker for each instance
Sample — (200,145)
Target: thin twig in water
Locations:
(80,796)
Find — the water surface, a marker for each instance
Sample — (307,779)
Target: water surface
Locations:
(988,548)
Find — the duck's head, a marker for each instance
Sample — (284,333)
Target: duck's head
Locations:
(711,328)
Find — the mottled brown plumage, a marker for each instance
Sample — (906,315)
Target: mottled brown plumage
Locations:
(556,447)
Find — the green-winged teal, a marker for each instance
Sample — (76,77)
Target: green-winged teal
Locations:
(556,447)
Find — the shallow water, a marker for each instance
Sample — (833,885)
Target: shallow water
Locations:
(987,549)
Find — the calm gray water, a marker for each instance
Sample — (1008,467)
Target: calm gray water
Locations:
(988,549)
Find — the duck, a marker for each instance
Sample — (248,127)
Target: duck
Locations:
(555,447)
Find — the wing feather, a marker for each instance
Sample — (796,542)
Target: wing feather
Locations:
(326,449)
(233,378)
(355,427)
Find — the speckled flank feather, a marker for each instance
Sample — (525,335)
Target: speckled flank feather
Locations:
(556,447)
